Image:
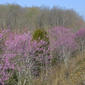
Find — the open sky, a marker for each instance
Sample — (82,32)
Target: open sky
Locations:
(77,5)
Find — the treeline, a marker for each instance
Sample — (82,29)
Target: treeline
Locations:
(17,17)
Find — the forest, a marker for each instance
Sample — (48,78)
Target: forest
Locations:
(41,46)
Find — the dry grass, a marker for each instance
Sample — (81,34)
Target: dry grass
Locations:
(59,75)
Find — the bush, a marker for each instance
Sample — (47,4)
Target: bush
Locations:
(40,34)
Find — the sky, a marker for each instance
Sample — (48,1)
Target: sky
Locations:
(77,5)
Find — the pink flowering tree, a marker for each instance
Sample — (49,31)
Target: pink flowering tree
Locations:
(63,42)
(41,54)
(6,63)
(80,37)
(30,54)
(20,44)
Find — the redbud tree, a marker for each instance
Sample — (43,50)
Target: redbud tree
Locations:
(6,63)
(29,54)
(62,42)
(80,37)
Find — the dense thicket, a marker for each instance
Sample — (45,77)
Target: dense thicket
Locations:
(17,17)
(30,50)
(24,56)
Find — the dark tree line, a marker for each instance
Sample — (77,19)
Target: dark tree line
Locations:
(17,17)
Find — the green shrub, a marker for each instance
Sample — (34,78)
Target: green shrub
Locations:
(40,34)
